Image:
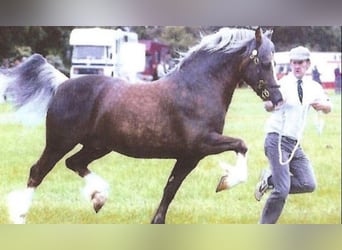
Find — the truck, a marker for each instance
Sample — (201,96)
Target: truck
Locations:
(109,52)
(325,62)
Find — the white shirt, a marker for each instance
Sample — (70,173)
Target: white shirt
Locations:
(289,119)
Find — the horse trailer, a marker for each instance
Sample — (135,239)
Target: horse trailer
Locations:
(98,51)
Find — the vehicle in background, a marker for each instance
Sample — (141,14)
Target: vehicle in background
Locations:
(325,62)
(156,52)
(98,51)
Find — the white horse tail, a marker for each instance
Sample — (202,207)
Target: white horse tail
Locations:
(3,84)
(30,87)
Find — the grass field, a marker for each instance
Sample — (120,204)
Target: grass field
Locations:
(137,184)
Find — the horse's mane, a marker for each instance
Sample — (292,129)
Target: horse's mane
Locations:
(227,40)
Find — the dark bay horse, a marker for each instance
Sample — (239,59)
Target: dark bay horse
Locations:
(180,116)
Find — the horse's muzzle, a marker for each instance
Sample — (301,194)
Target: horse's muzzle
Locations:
(277,104)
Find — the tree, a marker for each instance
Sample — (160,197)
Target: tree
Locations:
(37,39)
(316,38)
(52,40)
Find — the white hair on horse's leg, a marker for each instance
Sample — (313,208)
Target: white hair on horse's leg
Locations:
(19,203)
(96,190)
(233,175)
(241,165)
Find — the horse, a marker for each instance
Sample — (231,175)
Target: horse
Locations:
(180,116)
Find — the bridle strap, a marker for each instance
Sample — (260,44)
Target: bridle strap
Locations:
(254,57)
(262,85)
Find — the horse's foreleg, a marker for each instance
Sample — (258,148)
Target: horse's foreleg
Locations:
(180,171)
(96,189)
(233,175)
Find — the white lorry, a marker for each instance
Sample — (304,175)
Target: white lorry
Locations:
(98,51)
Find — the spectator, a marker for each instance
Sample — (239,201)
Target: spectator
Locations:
(316,76)
(280,73)
(162,69)
(337,72)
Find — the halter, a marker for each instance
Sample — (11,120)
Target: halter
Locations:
(261,86)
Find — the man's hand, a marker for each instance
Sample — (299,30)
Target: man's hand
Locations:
(321,106)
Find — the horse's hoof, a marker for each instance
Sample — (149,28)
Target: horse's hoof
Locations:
(223,184)
(98,200)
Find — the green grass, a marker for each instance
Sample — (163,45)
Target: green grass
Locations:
(137,184)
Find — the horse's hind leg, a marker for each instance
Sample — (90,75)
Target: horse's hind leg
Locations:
(19,202)
(179,173)
(96,188)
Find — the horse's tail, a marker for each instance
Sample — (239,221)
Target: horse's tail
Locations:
(30,87)
(3,84)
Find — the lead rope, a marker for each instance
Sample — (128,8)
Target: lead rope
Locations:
(305,113)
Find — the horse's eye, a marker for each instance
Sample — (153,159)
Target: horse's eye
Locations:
(266,66)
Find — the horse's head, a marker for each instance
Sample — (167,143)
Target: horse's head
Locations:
(257,67)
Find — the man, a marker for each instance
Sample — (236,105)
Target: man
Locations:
(162,69)
(290,170)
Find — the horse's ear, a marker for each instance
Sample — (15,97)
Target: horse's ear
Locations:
(258,36)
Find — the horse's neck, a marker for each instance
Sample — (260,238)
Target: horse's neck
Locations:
(217,88)
(211,75)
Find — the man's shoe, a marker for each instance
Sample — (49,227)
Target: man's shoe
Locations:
(262,186)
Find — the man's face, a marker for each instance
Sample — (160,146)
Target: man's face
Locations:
(299,67)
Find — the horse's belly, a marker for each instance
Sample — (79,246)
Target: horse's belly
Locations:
(147,147)
(148,153)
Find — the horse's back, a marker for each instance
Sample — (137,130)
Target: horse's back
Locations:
(72,108)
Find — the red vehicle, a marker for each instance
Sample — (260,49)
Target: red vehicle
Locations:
(155,53)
